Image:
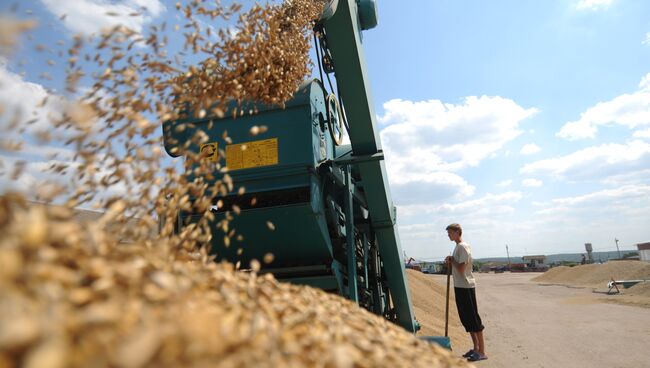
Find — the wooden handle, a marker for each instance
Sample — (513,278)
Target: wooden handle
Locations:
(447,306)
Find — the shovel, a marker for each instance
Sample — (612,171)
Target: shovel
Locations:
(443,341)
(447,304)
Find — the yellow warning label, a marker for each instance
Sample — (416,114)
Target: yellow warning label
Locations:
(210,151)
(252,154)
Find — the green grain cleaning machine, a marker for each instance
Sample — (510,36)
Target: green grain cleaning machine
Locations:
(333,218)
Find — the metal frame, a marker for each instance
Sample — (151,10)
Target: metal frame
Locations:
(343,40)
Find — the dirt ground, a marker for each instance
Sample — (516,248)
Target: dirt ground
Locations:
(530,324)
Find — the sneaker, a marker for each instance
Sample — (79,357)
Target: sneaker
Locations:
(469,353)
(476,356)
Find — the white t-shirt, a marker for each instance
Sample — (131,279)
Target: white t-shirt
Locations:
(463,254)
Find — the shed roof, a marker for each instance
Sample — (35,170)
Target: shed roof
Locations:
(531,258)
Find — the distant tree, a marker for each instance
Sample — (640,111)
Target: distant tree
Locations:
(477,265)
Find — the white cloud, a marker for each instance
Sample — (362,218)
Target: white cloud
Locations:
(620,201)
(629,110)
(416,187)
(595,162)
(35,174)
(626,178)
(426,141)
(38,174)
(483,204)
(564,224)
(46,152)
(431,136)
(482,218)
(644,85)
(646,41)
(24,100)
(532,183)
(593,4)
(486,205)
(561,225)
(642,133)
(91,16)
(35,108)
(505,183)
(529,149)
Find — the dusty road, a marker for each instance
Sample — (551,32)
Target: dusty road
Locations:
(533,325)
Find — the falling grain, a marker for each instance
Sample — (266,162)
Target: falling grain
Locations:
(127,289)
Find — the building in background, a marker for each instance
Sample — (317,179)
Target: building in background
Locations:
(534,261)
(644,251)
(531,264)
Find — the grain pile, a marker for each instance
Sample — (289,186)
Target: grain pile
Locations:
(72,296)
(596,275)
(637,295)
(428,298)
(641,289)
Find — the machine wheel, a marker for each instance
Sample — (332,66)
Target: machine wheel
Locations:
(334,119)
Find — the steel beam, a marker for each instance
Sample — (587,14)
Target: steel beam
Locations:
(344,42)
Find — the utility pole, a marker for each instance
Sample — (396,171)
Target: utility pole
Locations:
(619,251)
(508,253)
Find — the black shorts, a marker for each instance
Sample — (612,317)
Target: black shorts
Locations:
(468,309)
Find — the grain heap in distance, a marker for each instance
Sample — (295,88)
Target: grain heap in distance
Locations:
(596,275)
(73,296)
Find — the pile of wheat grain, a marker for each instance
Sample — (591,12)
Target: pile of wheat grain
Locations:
(428,294)
(596,275)
(73,297)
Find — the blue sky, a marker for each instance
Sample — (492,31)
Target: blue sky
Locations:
(554,61)
(528,122)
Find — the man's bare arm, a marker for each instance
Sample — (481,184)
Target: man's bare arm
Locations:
(459,266)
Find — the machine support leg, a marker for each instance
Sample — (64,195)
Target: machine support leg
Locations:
(365,258)
(349,233)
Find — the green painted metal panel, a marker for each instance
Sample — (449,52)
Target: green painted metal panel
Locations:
(367,14)
(302,142)
(300,237)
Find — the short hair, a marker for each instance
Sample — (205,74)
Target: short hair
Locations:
(455,227)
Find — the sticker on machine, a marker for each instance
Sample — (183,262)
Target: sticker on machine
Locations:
(252,154)
(210,151)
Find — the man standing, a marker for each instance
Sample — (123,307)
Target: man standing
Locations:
(464,287)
